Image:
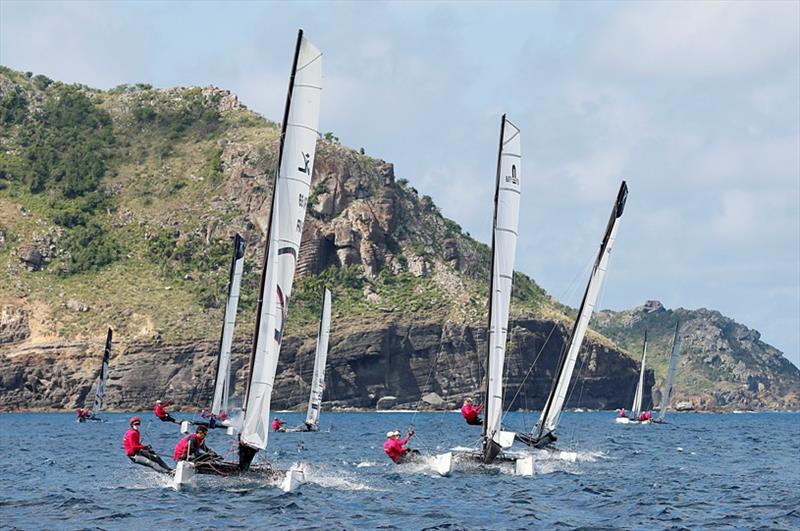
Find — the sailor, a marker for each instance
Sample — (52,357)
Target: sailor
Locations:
(139,453)
(160,411)
(646,415)
(622,412)
(193,447)
(470,413)
(277,424)
(394,446)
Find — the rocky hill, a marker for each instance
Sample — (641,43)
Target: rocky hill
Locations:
(117,209)
(722,363)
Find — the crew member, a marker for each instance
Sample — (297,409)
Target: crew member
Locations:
(395,447)
(470,413)
(139,453)
(277,424)
(193,447)
(160,411)
(622,412)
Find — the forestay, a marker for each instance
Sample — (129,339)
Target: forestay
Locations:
(558,394)
(666,395)
(296,164)
(101,384)
(222,383)
(504,244)
(636,409)
(321,357)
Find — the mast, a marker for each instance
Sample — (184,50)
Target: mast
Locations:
(320,359)
(504,243)
(558,393)
(101,384)
(666,395)
(289,199)
(222,380)
(636,409)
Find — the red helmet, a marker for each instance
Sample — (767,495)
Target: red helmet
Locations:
(134,419)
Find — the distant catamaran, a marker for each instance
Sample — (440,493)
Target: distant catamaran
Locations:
(636,407)
(101,382)
(290,195)
(544,432)
(666,394)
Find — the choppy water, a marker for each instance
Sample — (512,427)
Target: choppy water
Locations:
(699,471)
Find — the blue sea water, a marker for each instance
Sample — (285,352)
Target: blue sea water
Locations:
(700,471)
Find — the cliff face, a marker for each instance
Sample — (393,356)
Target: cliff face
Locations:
(722,363)
(117,209)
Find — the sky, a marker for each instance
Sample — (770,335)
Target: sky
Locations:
(695,104)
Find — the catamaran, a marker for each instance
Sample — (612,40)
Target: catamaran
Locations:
(543,433)
(666,394)
(101,384)
(289,198)
(320,358)
(494,440)
(636,408)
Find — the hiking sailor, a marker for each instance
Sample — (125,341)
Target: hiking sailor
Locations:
(139,453)
(470,413)
(160,411)
(394,446)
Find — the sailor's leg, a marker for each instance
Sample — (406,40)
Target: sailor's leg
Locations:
(152,456)
(142,460)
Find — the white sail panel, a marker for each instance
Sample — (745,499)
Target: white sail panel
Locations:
(666,395)
(505,245)
(555,402)
(636,409)
(320,359)
(289,207)
(221,387)
(101,383)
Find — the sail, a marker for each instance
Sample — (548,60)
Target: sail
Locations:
(558,394)
(636,409)
(321,357)
(101,384)
(222,383)
(290,195)
(504,245)
(666,395)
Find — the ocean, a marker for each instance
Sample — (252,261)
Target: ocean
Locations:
(700,471)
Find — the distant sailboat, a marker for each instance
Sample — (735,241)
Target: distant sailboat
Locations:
(666,394)
(320,359)
(636,408)
(290,195)
(101,383)
(544,432)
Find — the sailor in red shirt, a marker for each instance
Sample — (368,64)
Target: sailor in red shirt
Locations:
(470,413)
(160,411)
(277,424)
(394,446)
(139,453)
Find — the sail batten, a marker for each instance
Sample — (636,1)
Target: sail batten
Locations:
(222,382)
(554,405)
(504,242)
(289,199)
(666,395)
(320,359)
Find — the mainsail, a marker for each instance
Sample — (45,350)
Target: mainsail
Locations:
(222,382)
(666,395)
(636,409)
(101,383)
(321,357)
(504,244)
(290,194)
(545,428)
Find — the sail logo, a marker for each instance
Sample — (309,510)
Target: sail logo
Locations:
(302,201)
(513,177)
(306,159)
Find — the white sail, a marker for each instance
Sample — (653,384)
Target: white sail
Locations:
(555,402)
(321,357)
(101,383)
(666,395)
(290,195)
(504,245)
(222,384)
(636,409)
